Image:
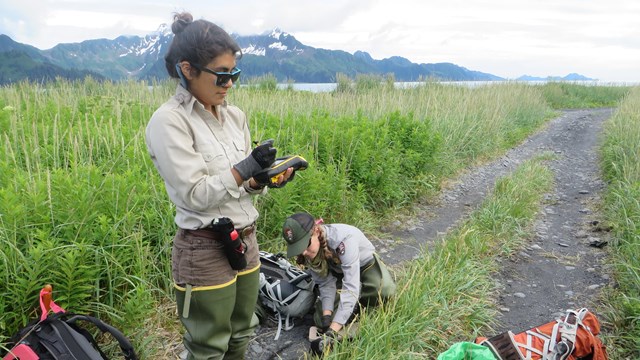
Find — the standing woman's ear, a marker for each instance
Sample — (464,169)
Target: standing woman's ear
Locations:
(183,80)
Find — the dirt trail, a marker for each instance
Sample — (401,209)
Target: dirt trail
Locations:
(560,268)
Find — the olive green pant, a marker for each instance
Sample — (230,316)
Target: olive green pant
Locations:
(220,321)
(376,285)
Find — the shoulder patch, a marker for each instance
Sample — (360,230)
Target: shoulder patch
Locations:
(341,248)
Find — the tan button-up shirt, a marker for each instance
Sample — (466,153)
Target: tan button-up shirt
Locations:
(194,153)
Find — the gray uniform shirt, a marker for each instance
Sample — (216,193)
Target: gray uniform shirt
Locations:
(194,153)
(354,251)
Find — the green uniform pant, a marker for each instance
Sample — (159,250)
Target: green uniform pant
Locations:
(220,320)
(376,285)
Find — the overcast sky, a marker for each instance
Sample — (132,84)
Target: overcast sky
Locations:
(508,38)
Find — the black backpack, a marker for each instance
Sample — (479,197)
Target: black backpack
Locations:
(285,292)
(57,336)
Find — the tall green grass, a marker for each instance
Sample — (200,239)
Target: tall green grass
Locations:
(82,207)
(445,295)
(566,95)
(620,154)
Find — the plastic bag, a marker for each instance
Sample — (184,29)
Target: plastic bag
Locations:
(467,351)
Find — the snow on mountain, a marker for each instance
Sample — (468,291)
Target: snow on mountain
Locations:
(275,33)
(254,50)
(269,43)
(278,46)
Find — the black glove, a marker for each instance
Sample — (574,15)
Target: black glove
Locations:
(233,246)
(262,178)
(262,156)
(326,322)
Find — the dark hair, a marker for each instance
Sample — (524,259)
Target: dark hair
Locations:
(197,42)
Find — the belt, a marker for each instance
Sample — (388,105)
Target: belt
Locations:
(208,233)
(366,266)
(246,231)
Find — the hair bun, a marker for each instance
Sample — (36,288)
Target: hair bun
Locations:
(180,22)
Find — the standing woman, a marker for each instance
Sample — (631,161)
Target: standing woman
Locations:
(339,256)
(201,146)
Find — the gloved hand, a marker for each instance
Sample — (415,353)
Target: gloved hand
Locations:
(272,185)
(326,322)
(269,176)
(262,178)
(262,156)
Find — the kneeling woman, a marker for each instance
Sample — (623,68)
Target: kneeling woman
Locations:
(339,256)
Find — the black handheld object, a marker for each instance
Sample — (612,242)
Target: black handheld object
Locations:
(233,246)
(269,176)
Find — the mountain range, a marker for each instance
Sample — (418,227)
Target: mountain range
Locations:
(276,52)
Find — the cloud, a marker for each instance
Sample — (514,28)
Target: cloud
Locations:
(504,37)
(257,16)
(22,19)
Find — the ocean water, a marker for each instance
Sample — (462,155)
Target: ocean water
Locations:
(326,87)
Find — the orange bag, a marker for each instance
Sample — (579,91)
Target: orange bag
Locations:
(573,337)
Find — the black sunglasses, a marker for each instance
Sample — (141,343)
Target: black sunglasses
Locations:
(222,77)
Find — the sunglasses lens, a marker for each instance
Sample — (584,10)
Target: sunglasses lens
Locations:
(223,79)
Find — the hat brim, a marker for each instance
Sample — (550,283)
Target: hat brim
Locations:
(299,246)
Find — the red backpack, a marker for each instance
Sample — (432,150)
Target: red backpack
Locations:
(572,337)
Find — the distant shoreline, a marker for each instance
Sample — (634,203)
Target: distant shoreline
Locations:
(325,87)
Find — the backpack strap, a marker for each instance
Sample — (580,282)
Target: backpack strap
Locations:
(279,325)
(530,349)
(567,328)
(296,276)
(66,341)
(125,344)
(288,324)
(503,347)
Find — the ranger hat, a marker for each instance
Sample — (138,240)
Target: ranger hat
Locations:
(296,231)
